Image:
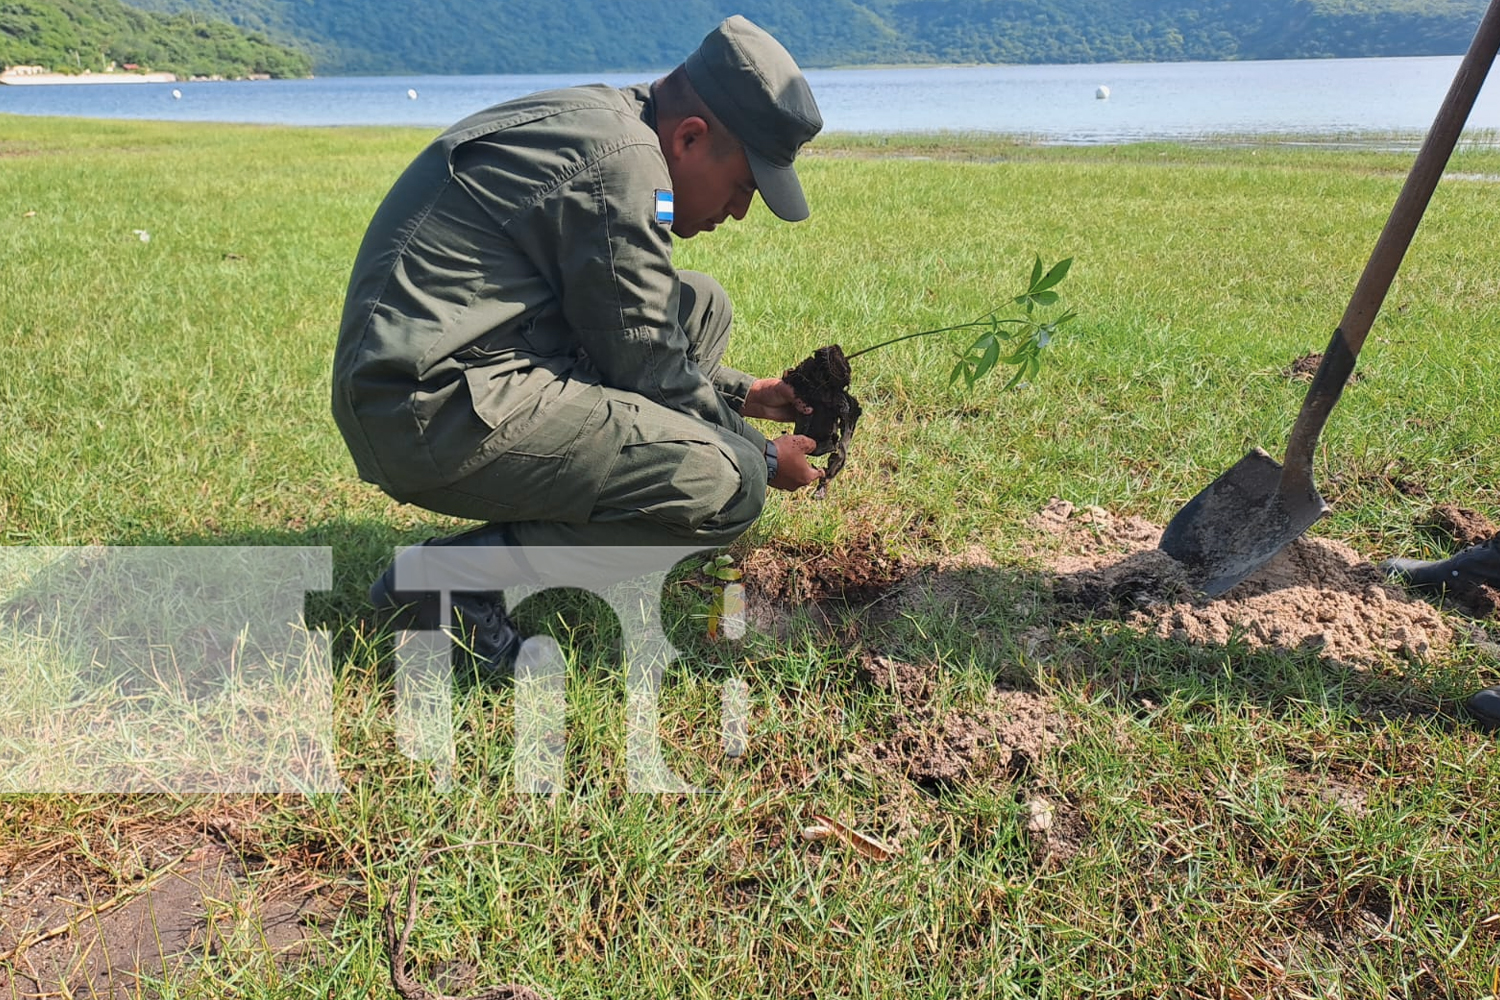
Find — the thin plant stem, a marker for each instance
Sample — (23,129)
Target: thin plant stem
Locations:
(983,321)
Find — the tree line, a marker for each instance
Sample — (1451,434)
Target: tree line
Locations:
(70,36)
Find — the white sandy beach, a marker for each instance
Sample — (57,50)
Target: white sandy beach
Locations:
(39,79)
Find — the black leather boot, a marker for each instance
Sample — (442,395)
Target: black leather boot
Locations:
(1485,707)
(1474,565)
(487,639)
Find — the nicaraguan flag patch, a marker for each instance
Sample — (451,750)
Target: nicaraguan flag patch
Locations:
(663,206)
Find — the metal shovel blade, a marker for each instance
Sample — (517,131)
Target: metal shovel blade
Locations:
(1240,520)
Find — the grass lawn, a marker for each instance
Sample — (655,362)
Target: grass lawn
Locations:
(1227,821)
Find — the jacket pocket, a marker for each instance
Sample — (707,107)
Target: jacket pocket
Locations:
(555,466)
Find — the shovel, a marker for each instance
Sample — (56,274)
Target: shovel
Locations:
(1258,507)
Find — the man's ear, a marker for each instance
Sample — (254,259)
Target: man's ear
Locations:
(690,133)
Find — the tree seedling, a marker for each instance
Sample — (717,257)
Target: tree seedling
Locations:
(822,380)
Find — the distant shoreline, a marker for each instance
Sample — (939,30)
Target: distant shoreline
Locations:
(42,79)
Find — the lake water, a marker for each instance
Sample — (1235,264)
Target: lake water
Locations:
(1048,103)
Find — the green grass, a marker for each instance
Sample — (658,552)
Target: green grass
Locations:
(174,392)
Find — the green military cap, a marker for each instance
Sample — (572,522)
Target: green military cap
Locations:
(752,84)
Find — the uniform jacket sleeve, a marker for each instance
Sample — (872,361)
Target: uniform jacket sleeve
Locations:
(610,260)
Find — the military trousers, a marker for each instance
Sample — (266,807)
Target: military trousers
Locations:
(676,480)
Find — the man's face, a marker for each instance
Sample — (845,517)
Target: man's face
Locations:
(709,185)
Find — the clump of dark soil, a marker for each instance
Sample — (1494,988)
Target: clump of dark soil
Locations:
(1475,600)
(1305,367)
(1142,580)
(822,382)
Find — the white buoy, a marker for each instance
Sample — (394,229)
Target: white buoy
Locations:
(1102,93)
(412,94)
(176,95)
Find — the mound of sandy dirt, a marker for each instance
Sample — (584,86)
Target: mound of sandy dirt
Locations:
(1316,594)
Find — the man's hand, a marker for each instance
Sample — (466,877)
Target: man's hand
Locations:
(773,399)
(793,471)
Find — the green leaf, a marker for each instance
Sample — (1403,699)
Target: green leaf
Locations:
(989,360)
(1058,273)
(1015,340)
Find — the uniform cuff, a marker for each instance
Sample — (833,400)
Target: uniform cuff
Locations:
(733,385)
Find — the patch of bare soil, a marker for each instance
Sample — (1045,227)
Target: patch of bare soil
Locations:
(931,747)
(781,581)
(1330,790)
(1003,737)
(1466,527)
(1316,594)
(1056,828)
(911,683)
(1305,367)
(177,896)
(858,573)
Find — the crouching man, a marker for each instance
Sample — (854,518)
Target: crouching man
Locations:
(517,348)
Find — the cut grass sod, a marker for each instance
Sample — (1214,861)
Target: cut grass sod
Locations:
(1199,820)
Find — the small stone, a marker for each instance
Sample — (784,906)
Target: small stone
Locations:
(1057,509)
(1042,814)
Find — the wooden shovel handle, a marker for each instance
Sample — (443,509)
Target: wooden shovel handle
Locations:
(1380,271)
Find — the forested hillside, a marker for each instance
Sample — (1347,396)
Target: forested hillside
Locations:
(529,36)
(1065,31)
(77,35)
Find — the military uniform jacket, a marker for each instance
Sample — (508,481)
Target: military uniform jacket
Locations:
(518,261)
